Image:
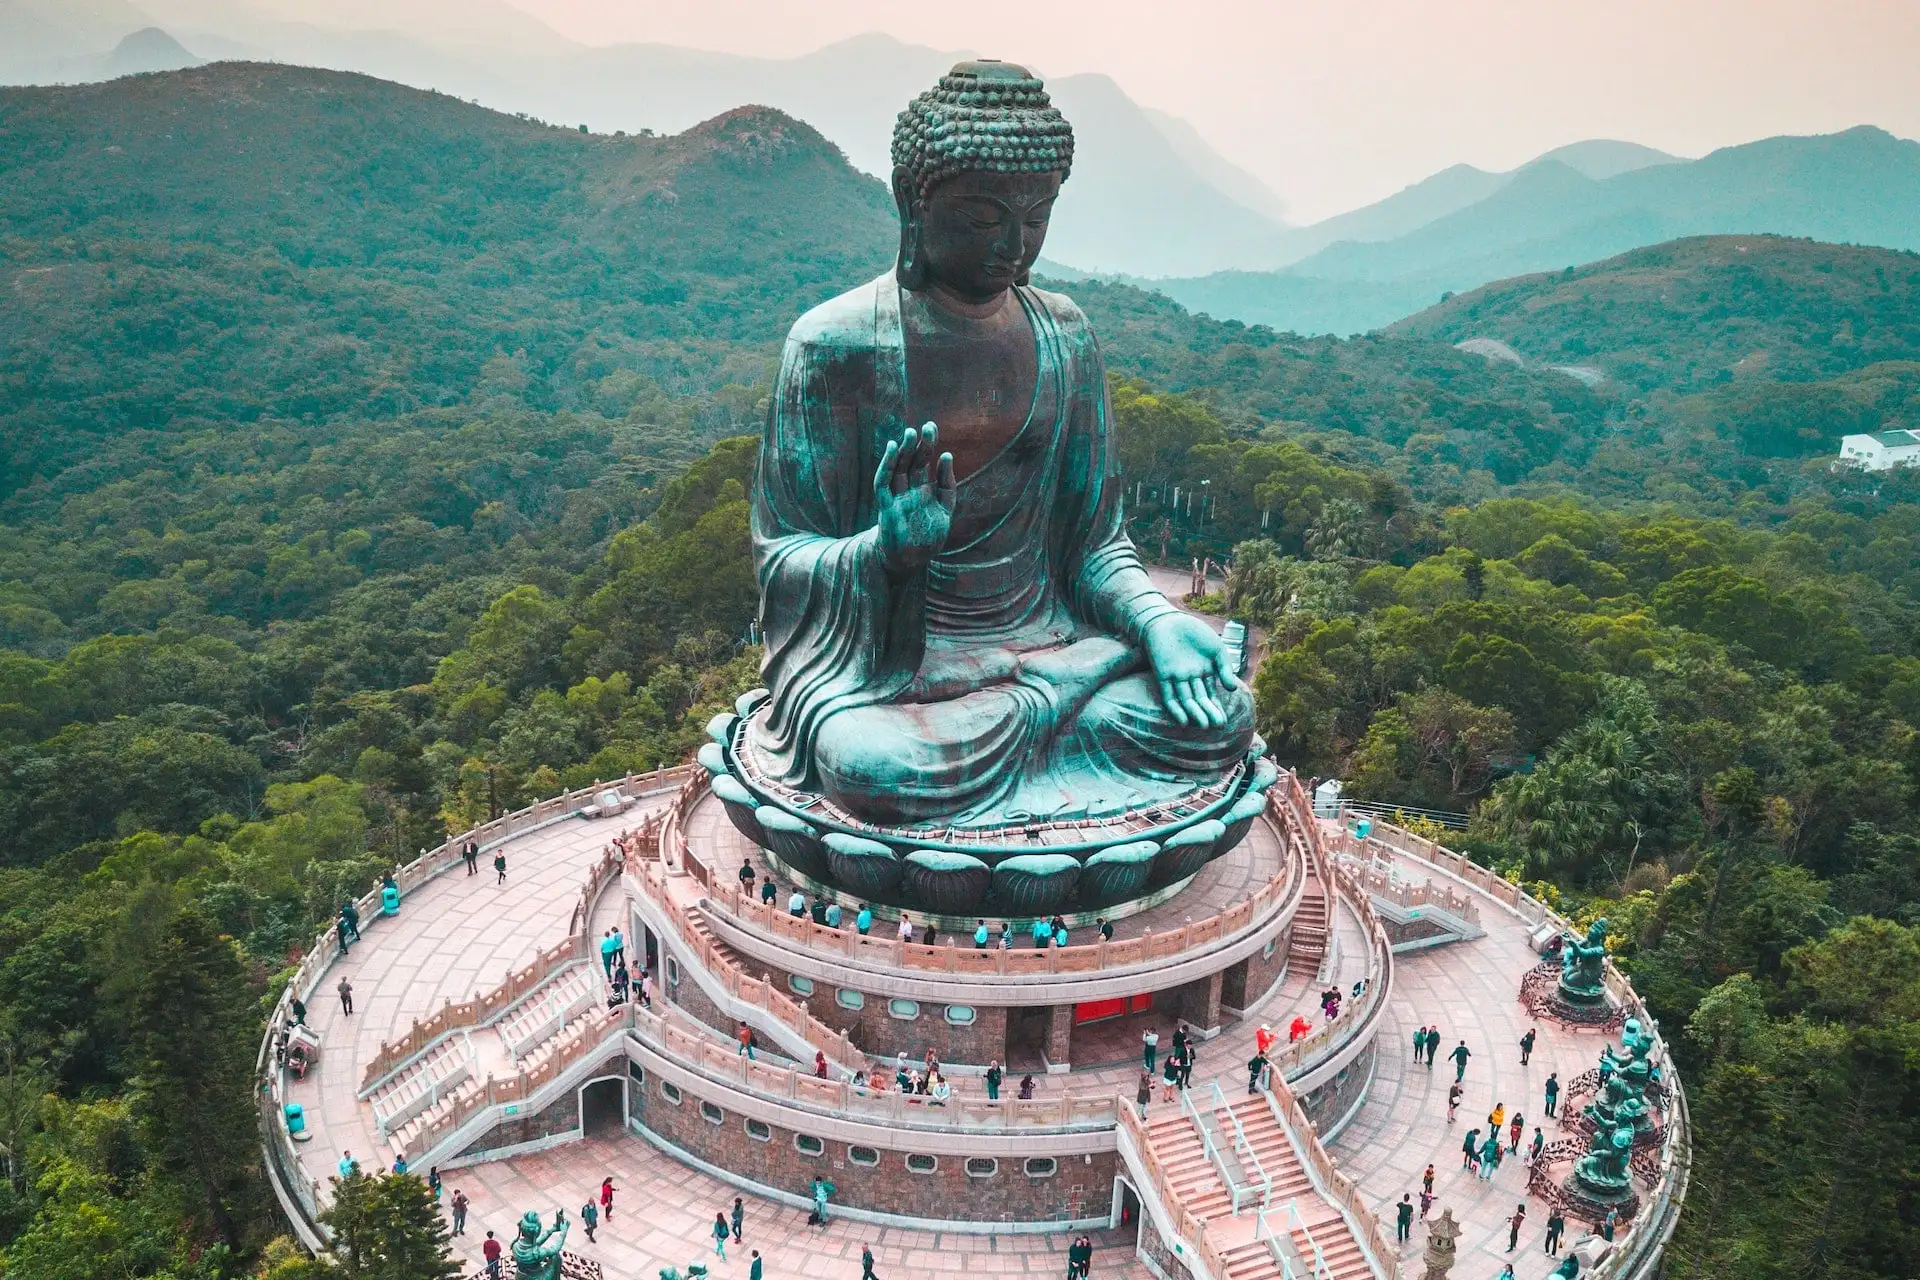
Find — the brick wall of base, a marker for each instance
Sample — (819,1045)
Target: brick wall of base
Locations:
(1075,1189)
(1258,972)
(1330,1103)
(1399,931)
(1159,1254)
(561,1116)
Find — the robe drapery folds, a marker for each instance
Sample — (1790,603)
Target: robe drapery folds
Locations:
(951,693)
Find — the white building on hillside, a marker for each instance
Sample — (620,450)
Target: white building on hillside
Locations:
(1882,450)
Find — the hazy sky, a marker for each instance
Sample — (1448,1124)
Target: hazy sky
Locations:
(1337,103)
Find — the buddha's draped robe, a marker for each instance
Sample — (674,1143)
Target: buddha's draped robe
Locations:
(1005,680)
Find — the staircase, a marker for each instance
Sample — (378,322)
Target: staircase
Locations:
(1308,943)
(422,1085)
(547,1010)
(1296,1223)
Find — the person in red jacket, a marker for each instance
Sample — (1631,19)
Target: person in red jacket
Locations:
(606,1199)
(491,1252)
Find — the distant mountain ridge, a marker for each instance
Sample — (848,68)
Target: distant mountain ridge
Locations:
(1153,198)
(1860,186)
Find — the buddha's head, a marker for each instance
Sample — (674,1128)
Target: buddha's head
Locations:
(977,162)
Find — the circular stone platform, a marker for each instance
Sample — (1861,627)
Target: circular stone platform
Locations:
(1027,867)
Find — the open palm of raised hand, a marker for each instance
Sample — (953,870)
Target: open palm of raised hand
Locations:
(914,492)
(1190,665)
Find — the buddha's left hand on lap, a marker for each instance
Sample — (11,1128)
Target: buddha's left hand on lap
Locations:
(1190,665)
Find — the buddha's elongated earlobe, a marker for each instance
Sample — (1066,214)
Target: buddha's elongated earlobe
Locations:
(911,269)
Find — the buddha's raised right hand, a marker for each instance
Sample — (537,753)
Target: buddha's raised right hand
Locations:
(914,493)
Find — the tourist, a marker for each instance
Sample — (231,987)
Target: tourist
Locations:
(797,905)
(1426,1203)
(1105,926)
(1298,1028)
(1489,1156)
(1553,1093)
(866,1263)
(1516,1130)
(1170,1076)
(1419,1042)
(1526,1045)
(589,1217)
(819,911)
(833,915)
(758,1270)
(994,1076)
(500,866)
(1539,1145)
(351,915)
(1470,1150)
(747,876)
(1506,1273)
(1042,933)
(932,939)
(340,931)
(646,989)
(1144,1094)
(1079,1258)
(490,1250)
(745,1037)
(606,954)
(1426,1179)
(1608,1223)
(905,932)
(720,1234)
(1556,1227)
(1256,1067)
(820,1064)
(1149,1045)
(348,1166)
(1060,933)
(1179,1038)
(471,852)
(1187,1059)
(346,996)
(1006,935)
(1497,1118)
(767,892)
(399,1165)
(1026,1088)
(621,981)
(1263,1040)
(864,920)
(298,1008)
(1454,1092)
(1403,1219)
(606,1199)
(821,1190)
(1460,1056)
(1514,1223)
(1433,1044)
(459,1204)
(940,1090)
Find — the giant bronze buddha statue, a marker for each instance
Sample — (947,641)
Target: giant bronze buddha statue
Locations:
(959,634)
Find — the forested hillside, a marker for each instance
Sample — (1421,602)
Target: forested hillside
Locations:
(375,462)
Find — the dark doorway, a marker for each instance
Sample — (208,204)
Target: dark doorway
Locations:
(1129,1212)
(653,952)
(1027,1038)
(603,1106)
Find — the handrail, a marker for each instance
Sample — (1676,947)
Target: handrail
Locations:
(1334,1186)
(1243,1150)
(1186,1224)
(1211,1149)
(1265,1231)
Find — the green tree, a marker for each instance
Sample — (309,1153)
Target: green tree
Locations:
(192,1021)
(388,1227)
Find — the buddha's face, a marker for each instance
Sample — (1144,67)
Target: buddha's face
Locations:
(980,232)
